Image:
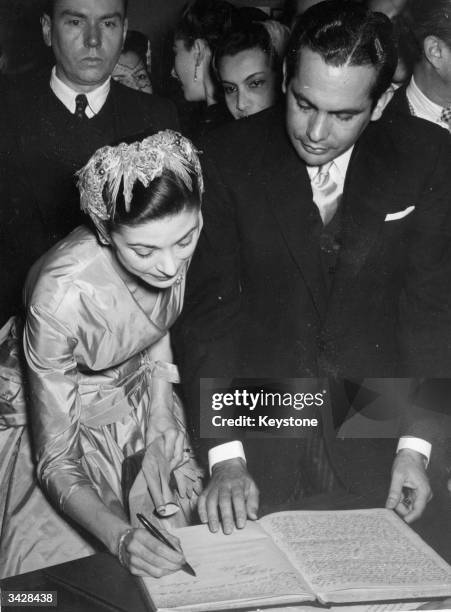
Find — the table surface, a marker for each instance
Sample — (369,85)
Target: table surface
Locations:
(93,584)
(99,583)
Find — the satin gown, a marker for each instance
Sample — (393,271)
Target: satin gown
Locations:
(86,342)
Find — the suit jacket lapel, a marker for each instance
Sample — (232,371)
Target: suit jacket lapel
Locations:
(290,199)
(370,192)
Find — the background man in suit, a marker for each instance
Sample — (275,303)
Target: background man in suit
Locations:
(57,121)
(326,240)
(428,95)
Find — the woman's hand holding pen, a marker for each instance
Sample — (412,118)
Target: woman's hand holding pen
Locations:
(144,555)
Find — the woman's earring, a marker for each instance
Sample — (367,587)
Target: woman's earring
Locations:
(195,72)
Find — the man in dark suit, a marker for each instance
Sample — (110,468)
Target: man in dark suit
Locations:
(326,238)
(58,120)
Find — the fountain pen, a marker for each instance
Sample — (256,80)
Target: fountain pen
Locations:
(159,536)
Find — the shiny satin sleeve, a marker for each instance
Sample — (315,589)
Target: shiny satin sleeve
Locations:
(55,404)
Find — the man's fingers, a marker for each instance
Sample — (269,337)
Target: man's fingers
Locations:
(212,510)
(421,496)
(395,493)
(401,509)
(202,506)
(231,491)
(252,501)
(239,506)
(225,507)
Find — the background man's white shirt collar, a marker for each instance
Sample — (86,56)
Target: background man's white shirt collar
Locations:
(422,106)
(96,98)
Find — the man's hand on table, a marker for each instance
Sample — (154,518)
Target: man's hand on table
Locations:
(230,498)
(409,470)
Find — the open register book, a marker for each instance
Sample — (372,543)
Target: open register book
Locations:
(286,558)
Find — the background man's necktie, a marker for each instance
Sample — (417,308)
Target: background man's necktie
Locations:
(81,102)
(446,116)
(326,194)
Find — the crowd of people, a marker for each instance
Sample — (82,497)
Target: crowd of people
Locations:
(294,223)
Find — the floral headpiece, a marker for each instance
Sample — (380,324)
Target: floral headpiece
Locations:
(100,180)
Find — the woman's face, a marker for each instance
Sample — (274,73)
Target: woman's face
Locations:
(130,71)
(156,251)
(250,85)
(190,77)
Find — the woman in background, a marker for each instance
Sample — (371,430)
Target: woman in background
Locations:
(249,65)
(133,66)
(196,36)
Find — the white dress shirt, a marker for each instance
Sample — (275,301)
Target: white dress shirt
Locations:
(421,106)
(96,98)
(234,449)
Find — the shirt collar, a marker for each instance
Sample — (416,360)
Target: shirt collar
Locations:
(423,106)
(338,168)
(96,98)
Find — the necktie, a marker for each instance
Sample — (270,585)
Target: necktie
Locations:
(81,102)
(446,116)
(326,193)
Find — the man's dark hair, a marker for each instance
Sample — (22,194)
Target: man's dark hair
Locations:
(346,34)
(49,7)
(429,18)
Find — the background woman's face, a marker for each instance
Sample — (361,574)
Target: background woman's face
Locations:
(250,84)
(156,251)
(130,71)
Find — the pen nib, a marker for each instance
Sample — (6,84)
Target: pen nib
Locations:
(188,569)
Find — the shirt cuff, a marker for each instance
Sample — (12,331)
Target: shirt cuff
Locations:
(416,444)
(222,452)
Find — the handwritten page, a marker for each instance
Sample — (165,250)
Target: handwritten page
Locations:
(376,607)
(245,566)
(359,555)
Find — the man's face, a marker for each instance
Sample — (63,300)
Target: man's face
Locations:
(87,38)
(328,107)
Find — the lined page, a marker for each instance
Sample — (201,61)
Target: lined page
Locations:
(359,555)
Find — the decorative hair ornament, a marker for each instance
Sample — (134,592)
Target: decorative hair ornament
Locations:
(100,180)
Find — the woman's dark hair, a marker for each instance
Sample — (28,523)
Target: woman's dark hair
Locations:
(346,33)
(269,36)
(138,43)
(250,36)
(207,20)
(166,196)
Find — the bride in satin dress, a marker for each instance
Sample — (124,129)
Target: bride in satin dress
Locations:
(99,368)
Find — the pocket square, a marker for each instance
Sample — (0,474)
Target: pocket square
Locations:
(399,215)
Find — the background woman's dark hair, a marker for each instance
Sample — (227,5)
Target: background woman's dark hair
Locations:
(138,43)
(164,197)
(207,20)
(252,35)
